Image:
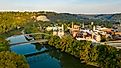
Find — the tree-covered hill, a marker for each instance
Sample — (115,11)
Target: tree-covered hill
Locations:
(15,20)
(12,20)
(82,17)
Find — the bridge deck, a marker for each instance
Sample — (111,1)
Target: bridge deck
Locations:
(34,41)
(36,53)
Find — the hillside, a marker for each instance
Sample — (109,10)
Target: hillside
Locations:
(13,20)
(77,17)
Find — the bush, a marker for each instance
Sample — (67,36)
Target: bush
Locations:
(3,45)
(12,60)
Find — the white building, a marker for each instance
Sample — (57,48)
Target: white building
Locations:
(59,31)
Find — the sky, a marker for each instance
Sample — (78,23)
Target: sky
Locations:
(63,6)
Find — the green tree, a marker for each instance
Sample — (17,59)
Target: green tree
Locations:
(12,60)
(3,45)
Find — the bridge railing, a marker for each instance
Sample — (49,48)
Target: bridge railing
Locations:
(39,35)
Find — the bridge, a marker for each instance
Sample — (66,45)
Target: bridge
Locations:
(41,40)
(27,42)
(36,53)
(37,33)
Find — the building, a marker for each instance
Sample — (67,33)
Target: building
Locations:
(88,35)
(74,29)
(57,30)
(85,34)
(49,28)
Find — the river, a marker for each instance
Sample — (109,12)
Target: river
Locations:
(51,59)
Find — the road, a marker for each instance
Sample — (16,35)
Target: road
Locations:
(116,44)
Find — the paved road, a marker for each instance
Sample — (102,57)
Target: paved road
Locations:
(116,44)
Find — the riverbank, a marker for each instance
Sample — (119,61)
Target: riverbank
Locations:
(9,59)
(103,56)
(90,65)
(11,33)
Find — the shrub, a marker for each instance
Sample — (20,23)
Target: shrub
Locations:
(12,60)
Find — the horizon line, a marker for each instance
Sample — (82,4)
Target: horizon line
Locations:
(55,11)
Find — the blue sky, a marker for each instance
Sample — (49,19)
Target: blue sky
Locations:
(64,6)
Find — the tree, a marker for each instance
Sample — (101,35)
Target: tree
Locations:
(3,45)
(12,60)
(54,41)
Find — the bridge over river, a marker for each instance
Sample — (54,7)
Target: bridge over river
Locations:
(27,36)
(36,53)
(29,42)
(25,41)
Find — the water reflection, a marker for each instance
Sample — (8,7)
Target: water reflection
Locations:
(52,59)
(43,61)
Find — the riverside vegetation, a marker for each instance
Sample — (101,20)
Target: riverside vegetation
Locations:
(103,56)
(9,59)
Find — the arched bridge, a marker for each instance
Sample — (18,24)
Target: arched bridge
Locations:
(41,40)
(27,42)
(37,33)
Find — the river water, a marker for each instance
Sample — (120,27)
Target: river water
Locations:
(51,59)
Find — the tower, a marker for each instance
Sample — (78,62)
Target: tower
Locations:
(55,30)
(72,25)
(93,28)
(119,22)
(83,25)
(92,25)
(61,31)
